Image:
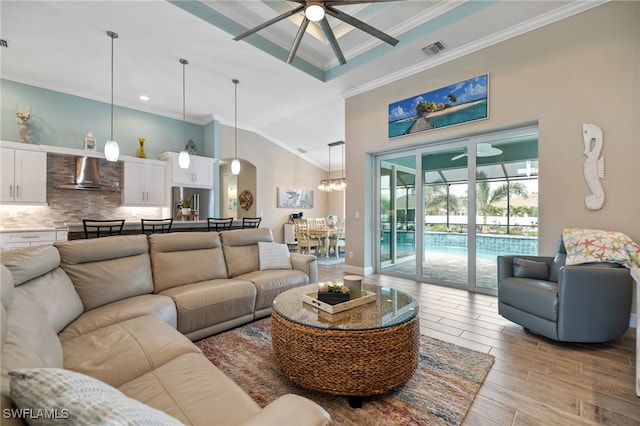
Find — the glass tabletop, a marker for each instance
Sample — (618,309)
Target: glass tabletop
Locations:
(391,307)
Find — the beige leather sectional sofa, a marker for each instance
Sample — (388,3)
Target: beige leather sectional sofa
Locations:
(124,310)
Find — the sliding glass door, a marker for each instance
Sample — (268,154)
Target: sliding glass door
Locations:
(397,214)
(446,221)
(447,211)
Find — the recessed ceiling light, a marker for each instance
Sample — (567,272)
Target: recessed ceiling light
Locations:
(143,97)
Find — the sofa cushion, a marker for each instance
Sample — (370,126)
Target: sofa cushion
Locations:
(121,352)
(194,391)
(269,284)
(524,268)
(536,297)
(56,297)
(30,262)
(185,257)
(79,400)
(122,310)
(241,249)
(25,320)
(201,305)
(107,269)
(273,256)
(36,271)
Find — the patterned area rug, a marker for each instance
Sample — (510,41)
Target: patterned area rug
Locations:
(439,393)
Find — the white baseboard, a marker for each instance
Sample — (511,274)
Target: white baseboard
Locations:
(358,270)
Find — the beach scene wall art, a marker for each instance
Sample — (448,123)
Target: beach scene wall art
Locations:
(290,198)
(454,104)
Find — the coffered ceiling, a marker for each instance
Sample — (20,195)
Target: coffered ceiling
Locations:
(63,46)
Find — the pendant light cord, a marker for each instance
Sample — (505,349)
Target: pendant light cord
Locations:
(184,63)
(112,35)
(235,82)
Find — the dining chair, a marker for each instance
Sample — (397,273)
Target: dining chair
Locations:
(337,241)
(251,222)
(321,222)
(305,241)
(96,228)
(156,226)
(219,223)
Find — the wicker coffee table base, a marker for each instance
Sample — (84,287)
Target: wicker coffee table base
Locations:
(346,362)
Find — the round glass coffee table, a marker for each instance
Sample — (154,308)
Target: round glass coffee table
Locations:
(366,350)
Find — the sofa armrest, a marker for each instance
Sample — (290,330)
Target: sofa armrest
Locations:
(594,303)
(290,410)
(306,263)
(505,264)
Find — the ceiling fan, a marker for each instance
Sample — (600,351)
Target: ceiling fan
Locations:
(482,150)
(316,11)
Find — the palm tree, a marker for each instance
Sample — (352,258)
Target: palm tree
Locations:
(485,198)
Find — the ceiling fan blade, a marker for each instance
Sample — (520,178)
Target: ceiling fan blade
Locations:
(332,40)
(269,22)
(360,25)
(298,39)
(349,2)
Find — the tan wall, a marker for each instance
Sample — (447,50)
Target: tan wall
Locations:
(584,69)
(274,167)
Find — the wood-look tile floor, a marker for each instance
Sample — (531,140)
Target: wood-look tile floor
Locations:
(534,381)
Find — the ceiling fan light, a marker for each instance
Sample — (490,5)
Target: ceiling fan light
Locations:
(111,151)
(184,160)
(314,11)
(235,166)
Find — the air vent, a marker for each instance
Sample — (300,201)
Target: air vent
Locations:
(4,43)
(433,48)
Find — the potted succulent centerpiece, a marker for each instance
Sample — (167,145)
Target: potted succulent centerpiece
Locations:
(186,206)
(333,293)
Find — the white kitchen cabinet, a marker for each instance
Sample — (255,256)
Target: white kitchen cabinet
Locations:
(198,175)
(16,239)
(144,184)
(24,176)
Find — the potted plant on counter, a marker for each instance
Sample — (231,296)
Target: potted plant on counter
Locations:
(186,206)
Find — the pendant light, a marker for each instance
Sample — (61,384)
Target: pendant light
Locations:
(337,184)
(235,164)
(183,158)
(111,148)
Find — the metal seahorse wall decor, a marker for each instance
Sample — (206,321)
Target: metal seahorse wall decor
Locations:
(593,165)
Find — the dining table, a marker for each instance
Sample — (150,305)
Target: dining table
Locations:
(324,234)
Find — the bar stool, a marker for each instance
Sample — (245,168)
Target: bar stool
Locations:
(251,222)
(219,223)
(156,226)
(96,228)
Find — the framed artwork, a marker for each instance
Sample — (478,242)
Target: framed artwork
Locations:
(290,198)
(454,104)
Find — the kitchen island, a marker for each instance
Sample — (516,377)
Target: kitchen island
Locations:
(76,230)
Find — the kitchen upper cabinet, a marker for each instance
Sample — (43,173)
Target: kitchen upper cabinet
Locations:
(144,184)
(24,176)
(198,175)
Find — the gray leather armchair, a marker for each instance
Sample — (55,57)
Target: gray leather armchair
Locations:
(588,303)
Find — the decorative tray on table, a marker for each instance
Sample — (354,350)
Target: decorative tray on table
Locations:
(312,299)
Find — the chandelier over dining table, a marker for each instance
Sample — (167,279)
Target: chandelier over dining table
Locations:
(334,184)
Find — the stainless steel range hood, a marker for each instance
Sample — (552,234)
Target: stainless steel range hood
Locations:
(87,176)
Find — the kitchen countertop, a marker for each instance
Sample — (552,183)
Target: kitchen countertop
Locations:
(43,229)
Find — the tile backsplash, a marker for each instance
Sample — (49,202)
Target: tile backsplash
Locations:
(68,206)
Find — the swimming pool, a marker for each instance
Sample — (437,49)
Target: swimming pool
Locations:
(488,247)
